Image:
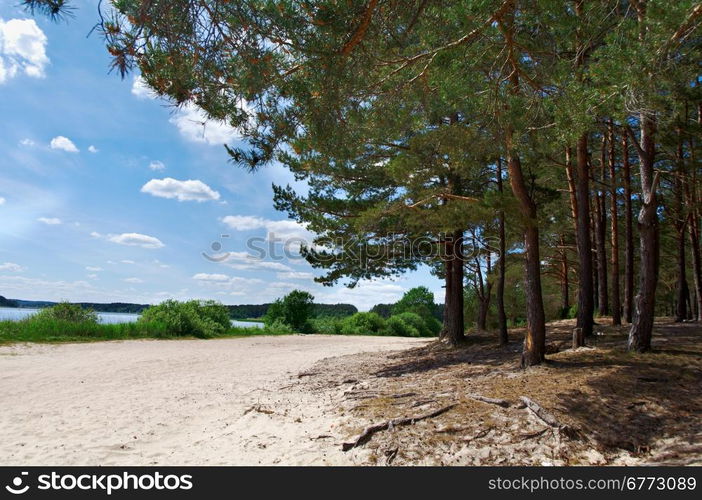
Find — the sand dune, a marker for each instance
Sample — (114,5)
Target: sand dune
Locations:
(229,401)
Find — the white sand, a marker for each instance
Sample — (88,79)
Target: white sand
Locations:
(198,402)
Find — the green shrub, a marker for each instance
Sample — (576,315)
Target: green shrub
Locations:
(295,309)
(279,328)
(65,311)
(397,327)
(327,326)
(363,323)
(417,322)
(573,311)
(195,318)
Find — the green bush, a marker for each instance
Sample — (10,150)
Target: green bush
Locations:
(573,311)
(65,311)
(363,323)
(295,310)
(397,327)
(416,322)
(326,326)
(278,328)
(195,318)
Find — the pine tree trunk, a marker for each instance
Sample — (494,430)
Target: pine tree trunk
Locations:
(628,235)
(565,288)
(693,233)
(483,306)
(601,238)
(614,216)
(500,292)
(534,350)
(645,302)
(453,329)
(585,285)
(682,289)
(535,339)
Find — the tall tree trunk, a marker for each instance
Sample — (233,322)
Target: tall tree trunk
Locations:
(645,302)
(682,289)
(453,329)
(694,234)
(614,216)
(572,188)
(693,222)
(628,235)
(601,236)
(565,285)
(534,350)
(500,298)
(585,285)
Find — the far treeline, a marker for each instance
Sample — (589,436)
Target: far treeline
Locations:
(546,153)
(249,311)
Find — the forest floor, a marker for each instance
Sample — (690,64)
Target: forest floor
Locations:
(598,404)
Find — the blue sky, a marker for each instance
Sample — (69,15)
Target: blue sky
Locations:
(107,194)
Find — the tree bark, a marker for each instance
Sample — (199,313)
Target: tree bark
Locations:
(565,285)
(585,285)
(628,235)
(601,236)
(682,289)
(534,350)
(614,216)
(500,292)
(645,302)
(453,329)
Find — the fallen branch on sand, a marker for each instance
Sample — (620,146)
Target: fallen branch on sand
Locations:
(547,418)
(494,401)
(369,431)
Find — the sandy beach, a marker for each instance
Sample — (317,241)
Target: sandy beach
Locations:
(185,402)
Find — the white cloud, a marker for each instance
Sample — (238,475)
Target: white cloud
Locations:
(243,261)
(193,124)
(22,49)
(95,234)
(50,221)
(133,280)
(27,142)
(92,276)
(295,275)
(190,190)
(244,222)
(93,268)
(63,143)
(12,267)
(141,90)
(365,295)
(279,229)
(136,240)
(191,120)
(211,277)
(2,200)
(93,149)
(157,165)
(161,264)
(127,261)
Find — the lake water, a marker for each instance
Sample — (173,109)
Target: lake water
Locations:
(16,314)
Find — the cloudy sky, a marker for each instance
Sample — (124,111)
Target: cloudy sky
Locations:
(107,194)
